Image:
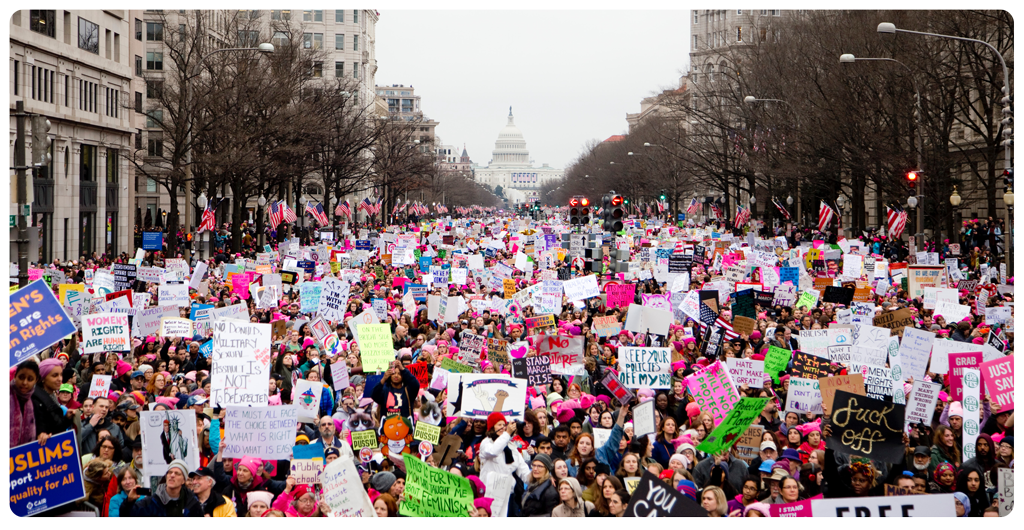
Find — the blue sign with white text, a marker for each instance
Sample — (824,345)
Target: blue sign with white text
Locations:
(45,477)
(152,240)
(37,321)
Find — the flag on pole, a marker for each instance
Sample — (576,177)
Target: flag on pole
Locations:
(344,208)
(694,206)
(276,214)
(366,206)
(318,212)
(289,214)
(897,218)
(825,214)
(782,209)
(209,221)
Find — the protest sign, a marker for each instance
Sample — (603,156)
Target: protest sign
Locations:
(431,492)
(997,375)
(427,432)
(100,386)
(776,361)
(309,296)
(915,350)
(173,294)
(497,352)
(366,317)
(37,321)
(536,370)
(943,348)
(470,348)
(620,295)
(105,332)
(749,444)
(935,505)
(175,327)
(746,372)
(809,366)
(566,354)
(542,321)
(895,321)
(654,498)
(509,287)
(581,288)
(241,363)
(45,477)
(1004,489)
(607,326)
(878,380)
(728,432)
(477,395)
(957,363)
(147,321)
(828,386)
(168,435)
(645,367)
(332,300)
(306,397)
(339,374)
(307,463)
(343,490)
(923,397)
(792,509)
(866,427)
(643,419)
(376,347)
(621,393)
(361,439)
(803,396)
(454,366)
(267,433)
(971,411)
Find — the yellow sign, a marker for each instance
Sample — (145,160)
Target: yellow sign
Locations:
(64,288)
(510,287)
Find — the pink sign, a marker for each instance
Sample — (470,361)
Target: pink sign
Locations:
(793,509)
(998,378)
(713,391)
(620,295)
(34,274)
(240,285)
(957,363)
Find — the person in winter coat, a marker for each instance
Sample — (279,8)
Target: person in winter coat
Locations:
(248,474)
(298,501)
(495,454)
(49,417)
(126,480)
(396,391)
(214,504)
(541,496)
(23,418)
(736,469)
(610,453)
(171,499)
(571,495)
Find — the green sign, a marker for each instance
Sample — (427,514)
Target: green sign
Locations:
(775,361)
(376,346)
(428,432)
(733,425)
(453,366)
(807,300)
(361,439)
(431,492)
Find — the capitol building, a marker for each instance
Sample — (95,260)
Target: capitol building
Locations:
(511,168)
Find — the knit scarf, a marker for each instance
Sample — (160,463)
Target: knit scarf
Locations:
(23,418)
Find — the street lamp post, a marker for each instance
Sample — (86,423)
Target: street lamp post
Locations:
(849,58)
(890,28)
(265,47)
(912,203)
(201,202)
(955,200)
(841,204)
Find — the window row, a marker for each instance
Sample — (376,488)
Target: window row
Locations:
(316,15)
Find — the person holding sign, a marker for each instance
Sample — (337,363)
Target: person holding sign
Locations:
(496,456)
(396,391)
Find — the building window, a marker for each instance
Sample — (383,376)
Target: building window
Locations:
(43,21)
(355,16)
(112,101)
(138,102)
(318,69)
(155,147)
(776,12)
(112,165)
(339,16)
(318,41)
(280,39)
(138,29)
(247,39)
(764,34)
(154,118)
(339,41)
(17,67)
(739,11)
(67,90)
(339,69)
(154,31)
(138,65)
(355,43)
(154,60)
(307,40)
(739,33)
(87,244)
(355,70)
(88,36)
(696,17)
(87,163)
(138,134)
(154,88)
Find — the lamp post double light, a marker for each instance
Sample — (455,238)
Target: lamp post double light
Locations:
(849,58)
(201,201)
(888,28)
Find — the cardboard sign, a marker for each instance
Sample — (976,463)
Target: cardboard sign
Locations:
(536,370)
(803,396)
(936,505)
(100,386)
(895,321)
(607,326)
(728,432)
(566,354)
(241,364)
(749,445)
(63,482)
(743,325)
(654,498)
(497,352)
(645,367)
(828,386)
(867,427)
(37,321)
(643,419)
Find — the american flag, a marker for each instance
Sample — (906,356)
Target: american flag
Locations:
(366,206)
(662,206)
(318,213)
(289,214)
(782,209)
(209,221)
(825,214)
(399,208)
(694,206)
(276,214)
(897,221)
(377,207)
(725,326)
(742,217)
(344,208)
(716,212)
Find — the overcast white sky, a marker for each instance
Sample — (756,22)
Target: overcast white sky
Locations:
(570,76)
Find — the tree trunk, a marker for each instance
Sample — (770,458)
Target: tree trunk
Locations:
(238,204)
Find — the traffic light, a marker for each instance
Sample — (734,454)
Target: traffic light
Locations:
(40,141)
(662,197)
(584,211)
(574,211)
(912,177)
(1007,179)
(613,212)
